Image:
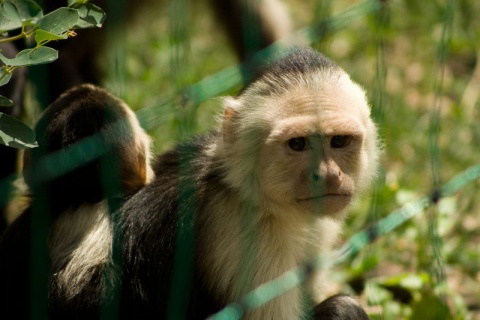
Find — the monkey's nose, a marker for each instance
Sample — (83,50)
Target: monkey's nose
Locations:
(320,179)
(315,177)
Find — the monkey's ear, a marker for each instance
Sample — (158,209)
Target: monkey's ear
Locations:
(230,117)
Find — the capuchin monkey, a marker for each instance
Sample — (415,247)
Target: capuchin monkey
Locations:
(79,242)
(226,212)
(266,192)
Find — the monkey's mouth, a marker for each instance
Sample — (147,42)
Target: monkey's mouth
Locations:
(326,204)
(340,196)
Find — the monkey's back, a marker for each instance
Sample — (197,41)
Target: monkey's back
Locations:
(158,233)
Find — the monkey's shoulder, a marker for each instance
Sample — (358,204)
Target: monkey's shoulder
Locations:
(191,154)
(179,187)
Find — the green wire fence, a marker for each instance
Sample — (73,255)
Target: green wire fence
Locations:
(92,148)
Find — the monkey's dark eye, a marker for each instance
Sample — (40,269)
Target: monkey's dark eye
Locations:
(338,142)
(298,144)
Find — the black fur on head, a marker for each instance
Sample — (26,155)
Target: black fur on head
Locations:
(297,60)
(277,72)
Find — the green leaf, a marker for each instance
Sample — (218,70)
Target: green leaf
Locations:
(4,75)
(30,57)
(16,134)
(42,36)
(20,10)
(5,102)
(72,2)
(59,21)
(7,24)
(90,15)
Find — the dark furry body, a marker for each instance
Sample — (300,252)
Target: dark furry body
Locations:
(154,222)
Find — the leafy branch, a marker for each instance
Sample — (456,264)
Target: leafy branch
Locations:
(28,17)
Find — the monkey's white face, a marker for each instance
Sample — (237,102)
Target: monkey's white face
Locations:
(314,151)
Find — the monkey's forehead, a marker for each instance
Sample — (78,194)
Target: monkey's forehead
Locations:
(321,86)
(302,126)
(323,101)
(326,109)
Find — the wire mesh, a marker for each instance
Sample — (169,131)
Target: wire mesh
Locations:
(188,97)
